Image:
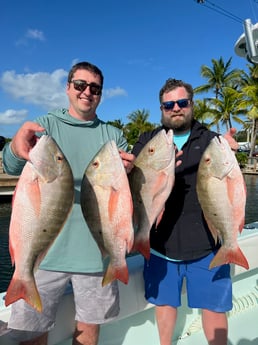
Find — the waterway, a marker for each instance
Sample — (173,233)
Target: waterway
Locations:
(6,269)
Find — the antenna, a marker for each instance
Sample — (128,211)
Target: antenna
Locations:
(251,42)
(247,44)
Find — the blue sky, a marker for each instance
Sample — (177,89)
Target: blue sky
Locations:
(138,44)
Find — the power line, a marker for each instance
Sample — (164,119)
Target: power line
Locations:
(220,10)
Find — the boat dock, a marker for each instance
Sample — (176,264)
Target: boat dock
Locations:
(251,168)
(7,184)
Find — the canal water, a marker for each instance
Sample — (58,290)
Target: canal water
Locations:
(6,269)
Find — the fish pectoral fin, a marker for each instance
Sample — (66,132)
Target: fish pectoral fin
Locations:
(113,203)
(26,290)
(160,181)
(34,195)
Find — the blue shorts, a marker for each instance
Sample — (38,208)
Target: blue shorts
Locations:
(206,288)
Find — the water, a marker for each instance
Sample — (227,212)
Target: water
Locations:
(6,269)
(251,210)
(5,212)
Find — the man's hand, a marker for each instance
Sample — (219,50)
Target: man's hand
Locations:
(25,139)
(128,159)
(229,137)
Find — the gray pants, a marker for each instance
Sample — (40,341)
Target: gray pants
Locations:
(93,303)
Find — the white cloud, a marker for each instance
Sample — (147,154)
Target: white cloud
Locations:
(114,92)
(11,116)
(44,89)
(30,34)
(35,34)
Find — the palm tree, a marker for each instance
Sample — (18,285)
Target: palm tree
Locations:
(116,123)
(227,107)
(249,94)
(250,101)
(219,76)
(202,111)
(137,125)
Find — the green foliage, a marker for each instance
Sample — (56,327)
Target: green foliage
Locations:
(242,159)
(138,125)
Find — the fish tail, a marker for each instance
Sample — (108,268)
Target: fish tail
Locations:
(19,289)
(225,256)
(143,247)
(115,272)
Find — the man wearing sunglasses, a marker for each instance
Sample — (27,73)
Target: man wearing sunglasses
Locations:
(74,257)
(182,245)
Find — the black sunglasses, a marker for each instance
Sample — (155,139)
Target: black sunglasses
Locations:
(182,103)
(81,85)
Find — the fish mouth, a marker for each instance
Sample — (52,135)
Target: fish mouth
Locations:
(223,145)
(168,137)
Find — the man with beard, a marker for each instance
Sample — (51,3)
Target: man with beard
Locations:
(182,246)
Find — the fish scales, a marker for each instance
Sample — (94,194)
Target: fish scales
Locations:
(42,201)
(221,192)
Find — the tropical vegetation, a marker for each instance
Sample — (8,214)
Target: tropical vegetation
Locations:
(233,98)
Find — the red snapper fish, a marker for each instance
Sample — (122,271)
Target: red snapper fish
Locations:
(107,207)
(151,181)
(42,201)
(221,192)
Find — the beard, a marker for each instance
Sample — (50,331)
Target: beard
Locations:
(181,124)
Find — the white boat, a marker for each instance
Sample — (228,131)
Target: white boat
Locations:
(136,323)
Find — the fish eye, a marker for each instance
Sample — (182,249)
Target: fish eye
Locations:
(95,164)
(151,150)
(59,158)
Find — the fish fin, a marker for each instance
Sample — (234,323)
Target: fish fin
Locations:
(241,226)
(130,243)
(113,272)
(11,252)
(238,207)
(28,291)
(160,181)
(35,196)
(38,260)
(213,231)
(142,246)
(113,202)
(159,217)
(234,256)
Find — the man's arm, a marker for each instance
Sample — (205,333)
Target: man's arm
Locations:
(17,151)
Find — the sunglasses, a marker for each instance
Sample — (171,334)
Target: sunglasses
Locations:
(182,103)
(81,85)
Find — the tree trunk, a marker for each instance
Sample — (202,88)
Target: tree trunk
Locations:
(253,137)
